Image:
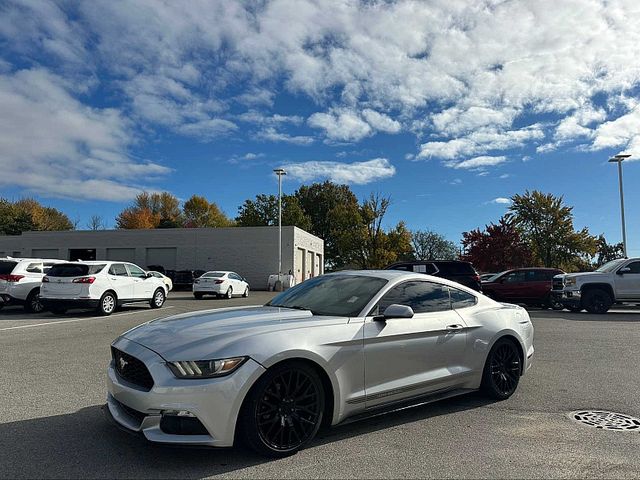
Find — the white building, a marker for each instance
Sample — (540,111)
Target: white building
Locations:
(250,251)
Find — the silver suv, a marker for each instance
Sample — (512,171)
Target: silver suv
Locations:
(20,280)
(617,281)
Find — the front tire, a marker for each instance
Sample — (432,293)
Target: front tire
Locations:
(108,303)
(246,292)
(33,303)
(158,298)
(596,301)
(502,370)
(197,296)
(283,411)
(229,293)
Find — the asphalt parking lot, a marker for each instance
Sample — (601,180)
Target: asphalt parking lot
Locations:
(53,387)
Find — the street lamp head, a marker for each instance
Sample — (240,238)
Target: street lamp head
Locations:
(279,171)
(619,158)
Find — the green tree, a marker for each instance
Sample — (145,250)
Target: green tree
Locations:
(263,211)
(607,251)
(29,214)
(547,225)
(199,212)
(428,245)
(329,206)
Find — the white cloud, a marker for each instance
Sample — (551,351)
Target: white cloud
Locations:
(358,173)
(381,122)
(480,141)
(477,162)
(501,201)
(272,135)
(462,75)
(53,145)
(341,125)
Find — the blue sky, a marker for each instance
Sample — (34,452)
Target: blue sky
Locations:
(448,107)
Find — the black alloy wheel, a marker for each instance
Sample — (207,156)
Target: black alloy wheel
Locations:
(33,303)
(284,410)
(502,370)
(597,301)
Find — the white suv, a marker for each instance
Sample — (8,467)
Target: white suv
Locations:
(101,285)
(20,280)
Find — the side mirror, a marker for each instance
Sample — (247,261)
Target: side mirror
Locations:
(396,311)
(623,270)
(149,275)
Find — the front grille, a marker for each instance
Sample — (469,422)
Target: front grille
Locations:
(131,369)
(558,284)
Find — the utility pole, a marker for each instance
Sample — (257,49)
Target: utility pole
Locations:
(619,159)
(280,172)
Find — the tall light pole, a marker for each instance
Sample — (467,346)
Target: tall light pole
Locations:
(619,159)
(280,172)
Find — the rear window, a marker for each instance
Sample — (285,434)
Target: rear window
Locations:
(460,299)
(213,275)
(7,267)
(74,270)
(455,268)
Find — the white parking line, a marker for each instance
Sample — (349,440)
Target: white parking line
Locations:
(72,320)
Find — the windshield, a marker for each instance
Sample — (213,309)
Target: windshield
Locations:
(340,295)
(493,278)
(611,266)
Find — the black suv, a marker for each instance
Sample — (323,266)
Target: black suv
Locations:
(454,270)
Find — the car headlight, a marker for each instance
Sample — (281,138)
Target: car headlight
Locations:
(569,282)
(206,368)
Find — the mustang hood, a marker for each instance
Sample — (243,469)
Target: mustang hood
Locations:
(211,333)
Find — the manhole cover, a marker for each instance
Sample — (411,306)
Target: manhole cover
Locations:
(606,420)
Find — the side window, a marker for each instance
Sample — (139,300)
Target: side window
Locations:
(635,267)
(460,299)
(515,277)
(34,268)
(420,296)
(118,270)
(135,271)
(47,266)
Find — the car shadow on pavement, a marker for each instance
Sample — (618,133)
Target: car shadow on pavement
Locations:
(611,316)
(85,444)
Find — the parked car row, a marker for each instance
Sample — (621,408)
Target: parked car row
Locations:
(57,285)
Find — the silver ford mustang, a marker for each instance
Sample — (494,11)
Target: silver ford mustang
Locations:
(335,348)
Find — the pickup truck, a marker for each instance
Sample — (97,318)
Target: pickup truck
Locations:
(617,281)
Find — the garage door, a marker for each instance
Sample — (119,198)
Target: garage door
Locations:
(164,256)
(122,254)
(44,253)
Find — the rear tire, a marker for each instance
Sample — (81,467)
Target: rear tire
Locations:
(597,301)
(283,410)
(197,296)
(552,303)
(108,303)
(158,298)
(33,303)
(574,309)
(502,370)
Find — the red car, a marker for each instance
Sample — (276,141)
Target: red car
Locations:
(531,286)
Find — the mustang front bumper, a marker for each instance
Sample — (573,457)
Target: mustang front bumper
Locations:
(213,404)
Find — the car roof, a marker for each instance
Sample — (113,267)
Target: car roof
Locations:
(397,275)
(218,271)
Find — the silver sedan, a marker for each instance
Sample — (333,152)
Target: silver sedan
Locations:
(333,349)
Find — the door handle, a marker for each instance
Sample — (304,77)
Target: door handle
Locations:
(454,328)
